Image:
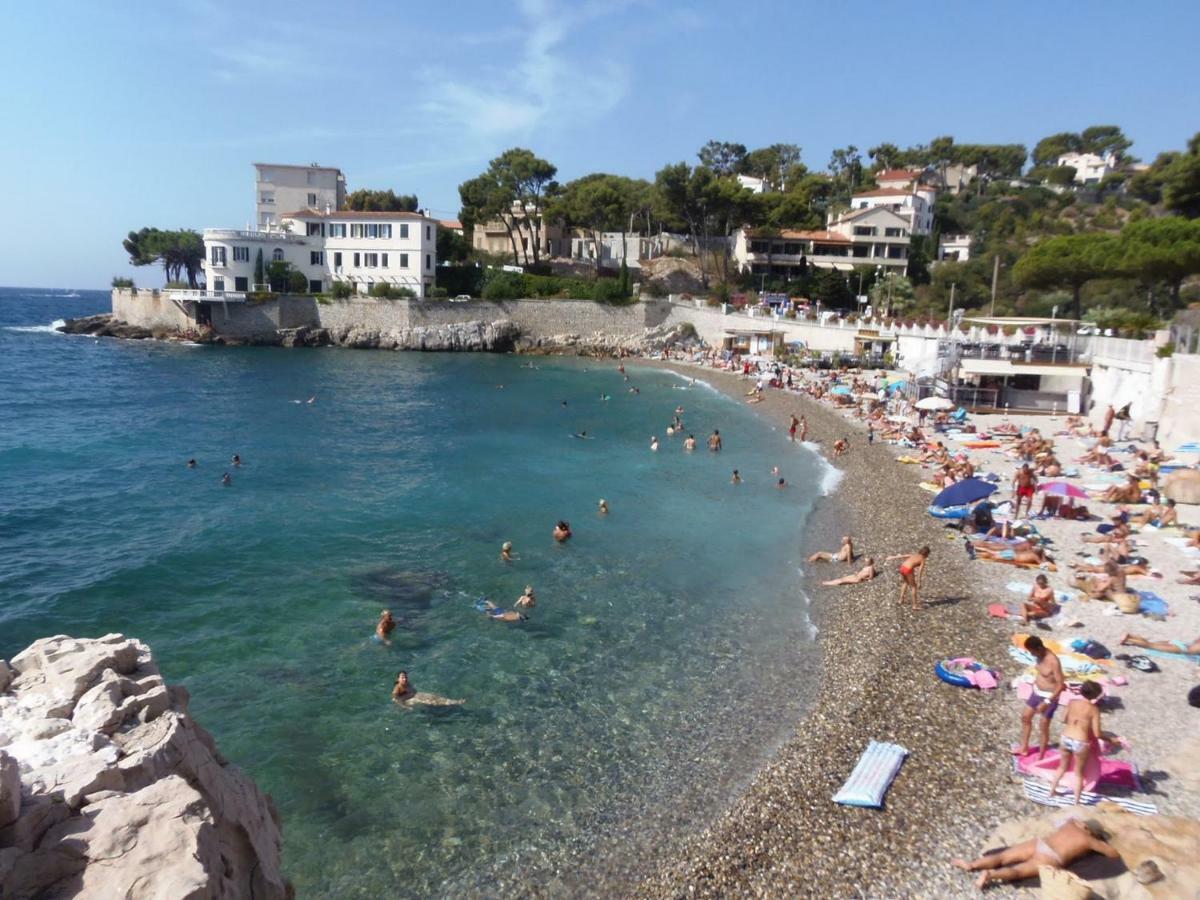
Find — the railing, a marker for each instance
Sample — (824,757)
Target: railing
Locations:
(205,296)
(238,234)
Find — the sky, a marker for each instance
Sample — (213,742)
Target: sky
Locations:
(118,116)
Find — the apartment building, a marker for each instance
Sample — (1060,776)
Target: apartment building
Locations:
(493,237)
(901,192)
(1090,168)
(279,188)
(360,248)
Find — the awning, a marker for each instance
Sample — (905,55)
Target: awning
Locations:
(1006,367)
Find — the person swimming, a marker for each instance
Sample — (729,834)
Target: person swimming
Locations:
(583,436)
(527,600)
(385,626)
(191,464)
(499,613)
(781,484)
(737,478)
(226,480)
(690,444)
(654,442)
(506,553)
(237,460)
(603,507)
(562,531)
(404,694)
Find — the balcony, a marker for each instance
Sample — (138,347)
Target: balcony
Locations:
(186,295)
(236,234)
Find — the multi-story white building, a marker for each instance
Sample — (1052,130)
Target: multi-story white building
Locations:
(280,188)
(1090,168)
(869,237)
(913,201)
(360,248)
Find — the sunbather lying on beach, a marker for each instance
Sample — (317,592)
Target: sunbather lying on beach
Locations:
(866,573)
(1130,492)
(1035,557)
(1189,576)
(1158,515)
(1103,586)
(845,553)
(1073,840)
(1180,647)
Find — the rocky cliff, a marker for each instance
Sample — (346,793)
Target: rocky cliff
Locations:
(108,788)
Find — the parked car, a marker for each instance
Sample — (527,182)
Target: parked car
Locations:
(461,298)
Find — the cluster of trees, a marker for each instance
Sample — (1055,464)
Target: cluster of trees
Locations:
(381,201)
(181,252)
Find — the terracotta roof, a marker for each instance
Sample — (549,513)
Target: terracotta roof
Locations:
(897,174)
(884,192)
(452,224)
(349,214)
(789,235)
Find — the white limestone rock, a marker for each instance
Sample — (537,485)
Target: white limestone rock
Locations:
(108,788)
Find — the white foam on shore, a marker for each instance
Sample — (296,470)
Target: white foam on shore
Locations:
(52,328)
(697,382)
(831,475)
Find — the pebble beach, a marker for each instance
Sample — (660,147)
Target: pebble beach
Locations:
(785,836)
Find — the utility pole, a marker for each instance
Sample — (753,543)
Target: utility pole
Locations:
(950,311)
(995,278)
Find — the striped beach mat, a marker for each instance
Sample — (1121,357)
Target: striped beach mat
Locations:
(873,775)
(1039,792)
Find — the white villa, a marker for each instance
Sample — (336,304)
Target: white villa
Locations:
(280,187)
(1090,168)
(359,248)
(900,192)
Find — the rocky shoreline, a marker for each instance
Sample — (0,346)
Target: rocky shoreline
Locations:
(109,788)
(498,336)
(784,836)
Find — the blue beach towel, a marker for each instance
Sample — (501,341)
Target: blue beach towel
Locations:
(1023,588)
(1039,792)
(873,775)
(1152,604)
(1163,654)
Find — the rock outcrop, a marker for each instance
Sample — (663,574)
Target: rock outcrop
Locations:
(1160,855)
(108,788)
(104,325)
(599,343)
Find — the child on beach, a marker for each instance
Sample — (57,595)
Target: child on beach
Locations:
(912,573)
(1081,729)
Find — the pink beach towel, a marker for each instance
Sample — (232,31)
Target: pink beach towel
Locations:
(1100,771)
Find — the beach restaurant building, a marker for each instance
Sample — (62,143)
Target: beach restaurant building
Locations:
(361,249)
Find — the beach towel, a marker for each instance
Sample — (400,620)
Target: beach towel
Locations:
(1163,654)
(872,776)
(1101,770)
(1072,663)
(1039,792)
(1024,588)
(1152,604)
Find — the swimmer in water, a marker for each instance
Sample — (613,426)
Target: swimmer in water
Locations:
(226,480)
(714,442)
(583,435)
(737,478)
(781,484)
(690,444)
(237,460)
(654,443)
(385,626)
(403,693)
(191,464)
(670,431)
(679,410)
(774,470)
(311,400)
(603,507)
(499,614)
(506,553)
(527,600)
(562,531)
(564,404)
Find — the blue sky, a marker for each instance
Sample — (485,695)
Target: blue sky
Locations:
(117,116)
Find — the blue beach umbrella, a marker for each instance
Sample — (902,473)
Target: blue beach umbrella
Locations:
(839,389)
(963,492)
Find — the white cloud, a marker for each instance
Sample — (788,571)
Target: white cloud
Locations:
(541,85)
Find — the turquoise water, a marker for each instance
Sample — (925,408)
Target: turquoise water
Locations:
(669,652)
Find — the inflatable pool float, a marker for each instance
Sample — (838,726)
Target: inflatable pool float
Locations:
(981,445)
(966,672)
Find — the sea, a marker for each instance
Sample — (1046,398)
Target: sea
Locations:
(670,653)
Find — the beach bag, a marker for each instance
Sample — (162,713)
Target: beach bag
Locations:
(1094,649)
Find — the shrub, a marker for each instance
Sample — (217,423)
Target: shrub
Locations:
(341,290)
(655,288)
(1166,350)
(297,282)
(384,291)
(177,285)
(608,290)
(438,293)
(504,286)
(119,282)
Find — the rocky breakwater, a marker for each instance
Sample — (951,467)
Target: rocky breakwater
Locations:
(108,788)
(498,336)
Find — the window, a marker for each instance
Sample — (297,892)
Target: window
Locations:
(266,197)
(315,286)
(218,256)
(372,231)
(277,255)
(312,199)
(315,228)
(864,230)
(404,260)
(219,284)
(337,261)
(383,260)
(385,231)
(404,230)
(370,260)
(356,260)
(316,257)
(312,176)
(428,261)
(356,231)
(338,230)
(426,232)
(241,283)
(891,232)
(241,254)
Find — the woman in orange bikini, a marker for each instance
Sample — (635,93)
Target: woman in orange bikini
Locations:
(912,573)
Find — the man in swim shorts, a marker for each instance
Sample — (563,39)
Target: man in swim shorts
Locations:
(499,614)
(912,573)
(1047,688)
(1074,839)
(714,442)
(1024,484)
(385,626)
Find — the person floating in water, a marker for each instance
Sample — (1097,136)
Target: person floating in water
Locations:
(499,613)
(506,553)
(527,600)
(311,400)
(603,507)
(385,626)
(226,480)
(562,531)
(737,478)
(191,464)
(654,442)
(237,460)
(714,442)
(404,694)
(781,484)
(583,435)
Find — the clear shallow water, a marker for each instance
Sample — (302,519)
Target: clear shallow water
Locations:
(669,652)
